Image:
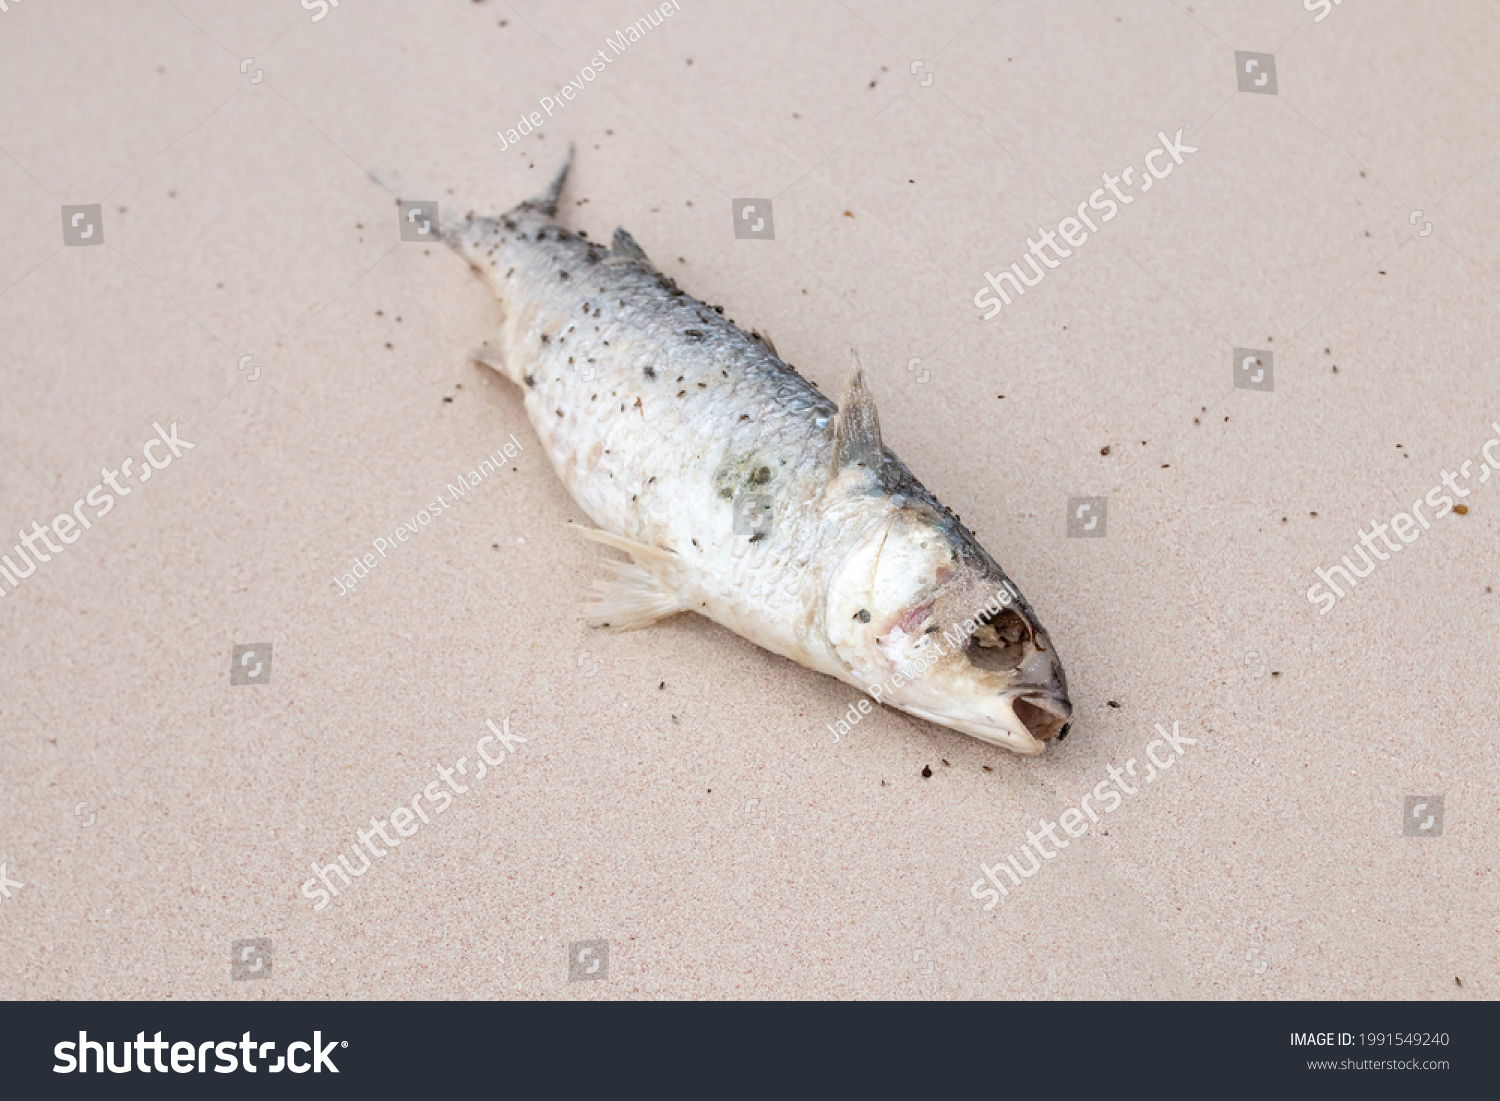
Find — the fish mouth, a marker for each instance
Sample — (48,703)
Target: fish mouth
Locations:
(1030,715)
(1012,644)
(1044,713)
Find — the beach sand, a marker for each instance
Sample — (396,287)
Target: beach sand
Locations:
(679,793)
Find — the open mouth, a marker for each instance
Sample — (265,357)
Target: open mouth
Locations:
(999,644)
(1044,716)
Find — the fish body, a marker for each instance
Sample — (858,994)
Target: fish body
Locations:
(744,494)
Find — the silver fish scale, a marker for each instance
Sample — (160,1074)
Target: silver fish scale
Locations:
(720,408)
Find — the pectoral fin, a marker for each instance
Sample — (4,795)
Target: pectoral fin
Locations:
(634,597)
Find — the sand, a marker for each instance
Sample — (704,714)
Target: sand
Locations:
(679,793)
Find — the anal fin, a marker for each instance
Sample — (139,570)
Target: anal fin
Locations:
(633,598)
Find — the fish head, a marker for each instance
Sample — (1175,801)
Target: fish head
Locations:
(923,620)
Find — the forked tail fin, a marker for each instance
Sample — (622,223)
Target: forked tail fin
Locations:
(547,201)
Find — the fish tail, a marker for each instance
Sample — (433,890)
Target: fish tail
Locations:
(457,229)
(547,201)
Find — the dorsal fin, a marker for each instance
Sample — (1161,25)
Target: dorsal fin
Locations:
(856,429)
(624,245)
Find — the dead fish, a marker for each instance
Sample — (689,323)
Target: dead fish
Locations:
(743,494)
